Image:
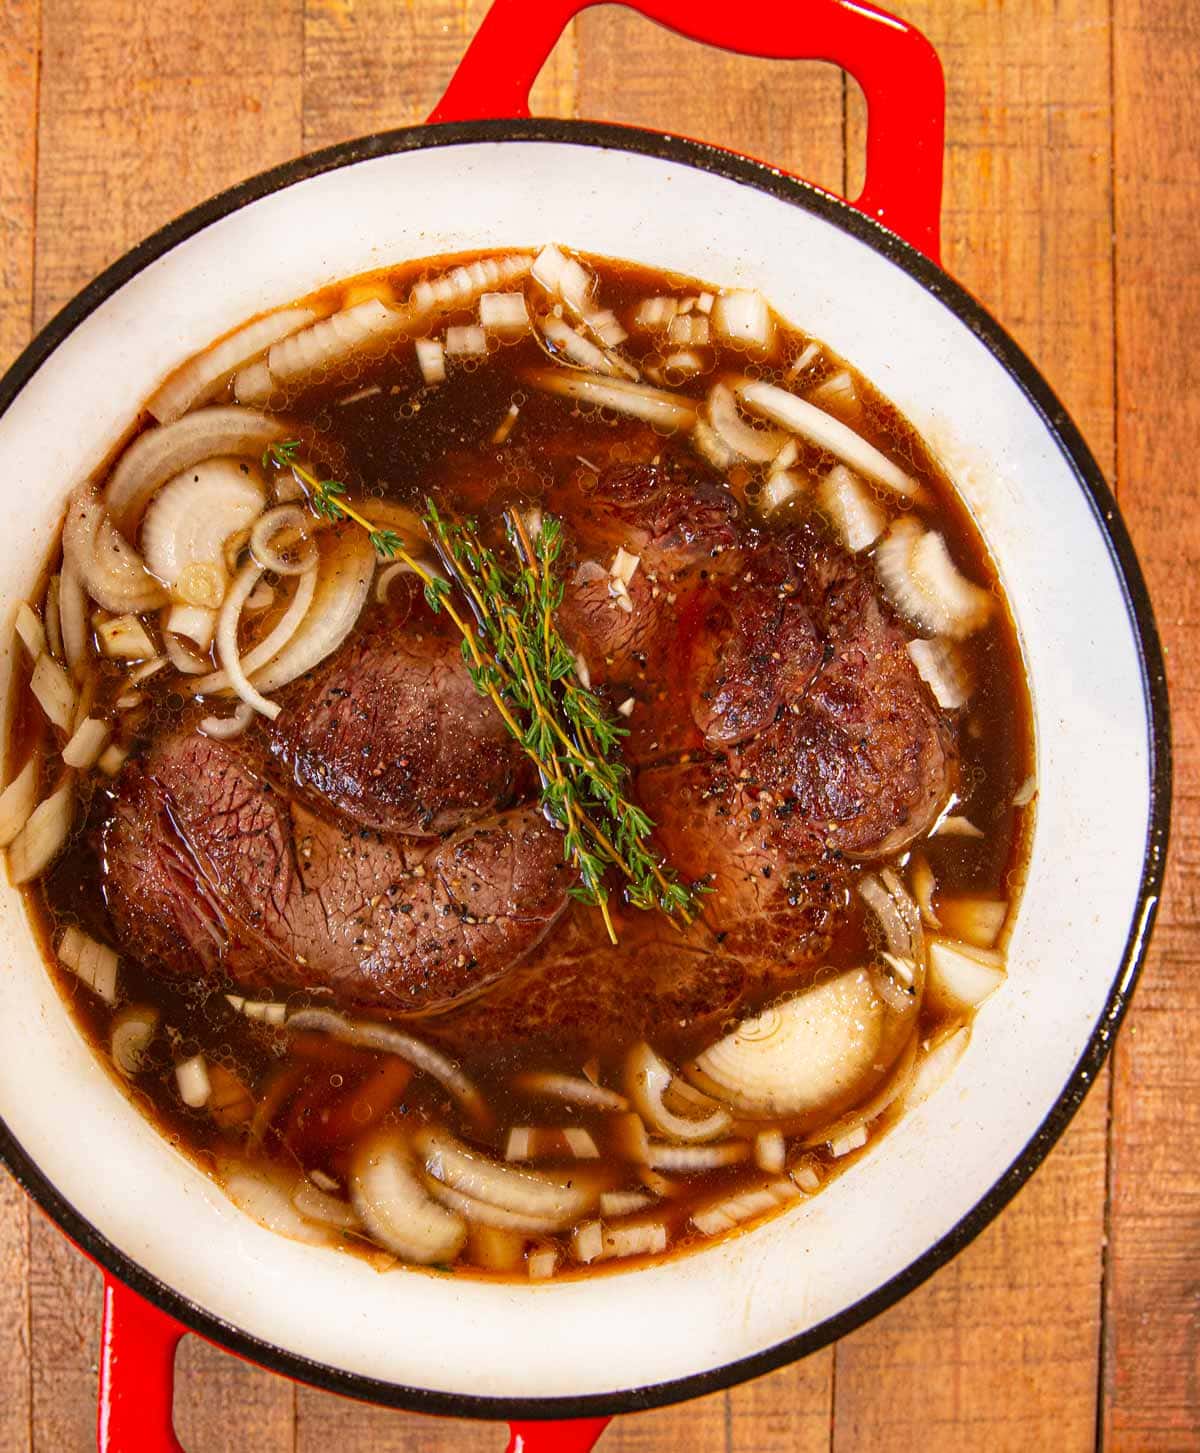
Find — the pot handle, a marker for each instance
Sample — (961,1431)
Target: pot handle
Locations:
(578,1436)
(895,65)
(137,1375)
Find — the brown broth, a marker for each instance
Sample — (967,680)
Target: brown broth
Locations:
(389,437)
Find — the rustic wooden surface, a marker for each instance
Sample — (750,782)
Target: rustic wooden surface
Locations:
(1072,184)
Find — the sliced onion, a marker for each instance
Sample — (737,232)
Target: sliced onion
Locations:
(133,1030)
(943,670)
(334,339)
(227,646)
(733,1210)
(837,394)
(783,485)
(180,656)
(459,287)
(770,1150)
(554,1199)
(853,510)
(563,277)
(692,1158)
(53,619)
(758,445)
(72,606)
(31,630)
(317,1205)
(893,1088)
(572,347)
(394,1205)
(88,740)
(191,517)
(712,447)
(624,1203)
(201,377)
(810,1051)
(283,518)
(383,581)
(923,886)
(924,584)
(936,1064)
(656,406)
(271,644)
(961,976)
(54,691)
(484,1212)
(254,384)
(957,826)
(977,920)
(225,728)
(18,800)
(342,584)
(160,454)
(197,622)
(743,317)
(898,915)
(93,963)
(370,1034)
(823,430)
(647,1078)
(571,1088)
(107,565)
(265,1193)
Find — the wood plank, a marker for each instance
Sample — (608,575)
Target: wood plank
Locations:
(19,52)
(999,1351)
(146,110)
(223,1405)
(1152,1344)
(370,65)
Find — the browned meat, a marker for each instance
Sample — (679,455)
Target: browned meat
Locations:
(208,869)
(393,733)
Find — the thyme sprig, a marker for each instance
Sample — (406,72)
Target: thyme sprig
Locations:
(517,658)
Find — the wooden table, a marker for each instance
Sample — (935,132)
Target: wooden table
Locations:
(1072,183)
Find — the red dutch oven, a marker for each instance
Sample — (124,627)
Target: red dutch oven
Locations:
(558,1359)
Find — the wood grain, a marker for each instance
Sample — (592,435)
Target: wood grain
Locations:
(1027,226)
(1152,1346)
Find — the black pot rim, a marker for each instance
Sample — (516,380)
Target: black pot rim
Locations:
(1108,521)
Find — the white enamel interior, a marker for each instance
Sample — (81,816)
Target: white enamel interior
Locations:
(706,1310)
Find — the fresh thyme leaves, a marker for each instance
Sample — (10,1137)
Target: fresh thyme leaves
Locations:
(517,659)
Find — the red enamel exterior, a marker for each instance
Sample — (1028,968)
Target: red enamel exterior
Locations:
(895,65)
(901,78)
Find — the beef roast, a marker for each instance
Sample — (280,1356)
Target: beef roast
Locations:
(210,870)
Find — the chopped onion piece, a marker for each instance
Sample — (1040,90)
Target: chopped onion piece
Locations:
(558,1201)
(191,1078)
(923,886)
(682,364)
(624,1203)
(125,638)
(852,1140)
(580,1143)
(744,319)
(317,1205)
(647,1078)
(225,728)
(112,759)
(497,1250)
(110,569)
(655,313)
(1025,794)
(666,410)
(782,486)
(806,1177)
(606,326)
(163,453)
(960,976)
(431,359)
(769,1150)
(756,444)
(128,700)
(573,348)
(624,565)
(343,582)
(723,1215)
(31,630)
(506,314)
(372,1035)
(563,277)
(132,1031)
(72,607)
(54,691)
(459,287)
(823,430)
(94,964)
(688,331)
(18,800)
(262,1011)
(943,670)
(394,1205)
(519,1145)
(573,1090)
(924,584)
(542,1264)
(625,709)
(53,618)
(293,524)
(87,742)
(977,920)
(936,1065)
(147,669)
(689,1158)
(467,340)
(201,378)
(334,339)
(704,303)
(197,622)
(587,1241)
(808,356)
(957,826)
(838,395)
(645,1239)
(254,384)
(852,509)
(811,1050)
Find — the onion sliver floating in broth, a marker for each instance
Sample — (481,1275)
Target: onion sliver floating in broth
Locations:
(541,755)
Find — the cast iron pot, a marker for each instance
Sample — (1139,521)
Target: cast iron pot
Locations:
(177,1255)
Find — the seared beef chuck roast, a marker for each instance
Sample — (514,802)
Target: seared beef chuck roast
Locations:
(779,730)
